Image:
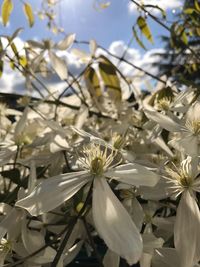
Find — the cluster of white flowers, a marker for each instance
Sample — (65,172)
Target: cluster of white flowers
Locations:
(128,175)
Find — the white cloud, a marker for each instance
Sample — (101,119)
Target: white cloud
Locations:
(12,81)
(135,57)
(164,4)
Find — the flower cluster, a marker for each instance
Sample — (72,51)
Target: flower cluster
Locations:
(124,173)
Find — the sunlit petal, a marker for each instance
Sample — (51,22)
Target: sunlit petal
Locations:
(114,224)
(52,192)
(133,174)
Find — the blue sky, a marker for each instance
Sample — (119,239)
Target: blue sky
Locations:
(111,28)
(80,17)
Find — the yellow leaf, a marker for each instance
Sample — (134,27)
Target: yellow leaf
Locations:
(138,39)
(29,13)
(92,82)
(22,61)
(12,64)
(6,10)
(1,67)
(141,22)
(93,86)
(197,6)
(104,5)
(110,79)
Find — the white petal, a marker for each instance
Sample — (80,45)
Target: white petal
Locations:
(58,65)
(12,218)
(21,123)
(158,192)
(32,177)
(52,192)
(193,113)
(145,261)
(187,144)
(32,240)
(163,120)
(114,224)
(111,259)
(166,257)
(151,242)
(186,230)
(66,42)
(161,143)
(47,256)
(133,174)
(135,210)
(72,252)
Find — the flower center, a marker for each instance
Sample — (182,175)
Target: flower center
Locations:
(185,181)
(23,139)
(164,103)
(96,158)
(193,126)
(97,165)
(5,245)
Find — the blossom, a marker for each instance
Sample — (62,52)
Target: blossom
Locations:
(188,128)
(111,219)
(185,180)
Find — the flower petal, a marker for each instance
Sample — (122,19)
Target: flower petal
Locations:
(6,225)
(133,174)
(166,257)
(163,120)
(111,259)
(186,230)
(52,192)
(187,144)
(114,224)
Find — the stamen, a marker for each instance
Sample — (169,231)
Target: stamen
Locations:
(96,158)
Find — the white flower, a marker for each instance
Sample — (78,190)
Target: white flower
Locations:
(112,221)
(189,131)
(184,178)
(185,181)
(187,231)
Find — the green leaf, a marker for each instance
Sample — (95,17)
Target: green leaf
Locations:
(6,10)
(138,39)
(29,13)
(141,22)
(110,79)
